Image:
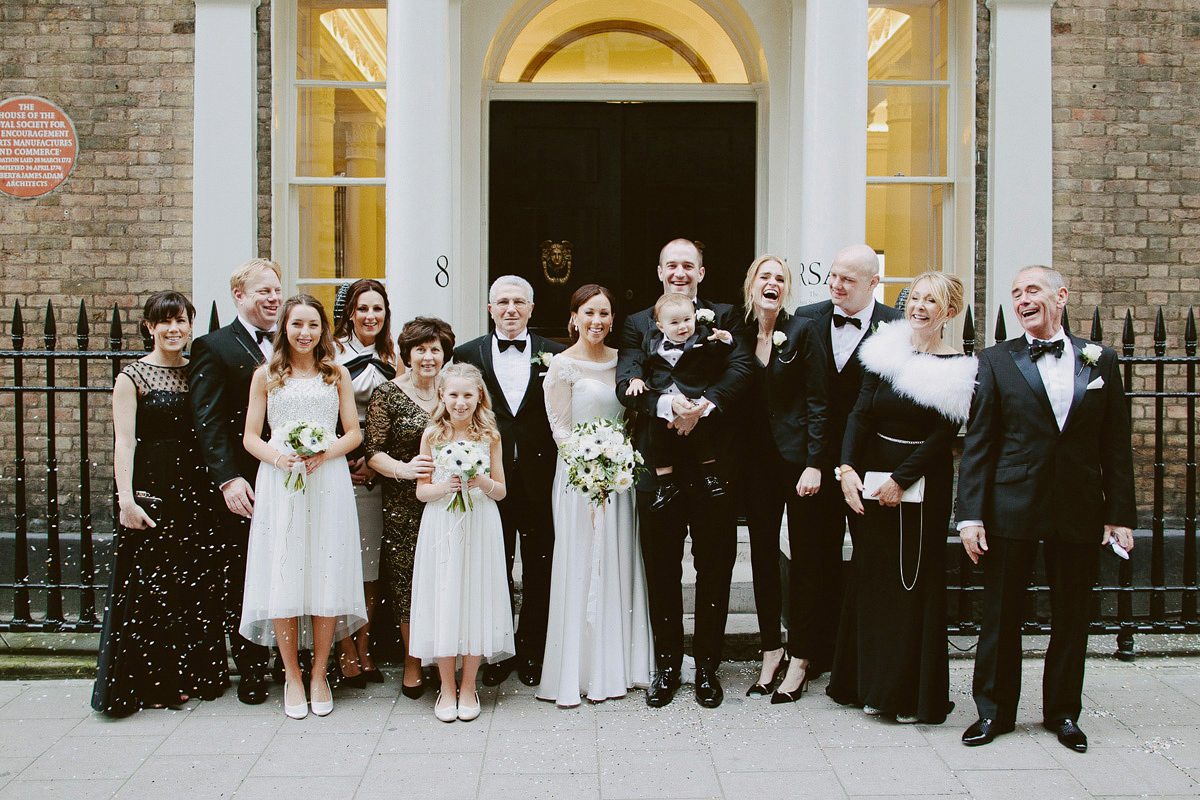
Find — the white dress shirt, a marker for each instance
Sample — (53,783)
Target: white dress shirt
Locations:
(266,347)
(512,368)
(846,338)
(1058,376)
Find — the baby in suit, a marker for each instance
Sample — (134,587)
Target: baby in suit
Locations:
(685,357)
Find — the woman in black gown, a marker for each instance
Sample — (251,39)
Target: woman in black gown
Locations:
(162,640)
(891,654)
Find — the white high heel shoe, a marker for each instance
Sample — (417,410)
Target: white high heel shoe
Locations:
(322,708)
(447,714)
(298,711)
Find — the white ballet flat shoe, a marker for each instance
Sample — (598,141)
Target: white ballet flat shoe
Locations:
(468,713)
(447,714)
(322,708)
(298,711)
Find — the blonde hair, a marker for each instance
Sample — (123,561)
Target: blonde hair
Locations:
(279,369)
(482,426)
(672,300)
(237,281)
(751,273)
(947,292)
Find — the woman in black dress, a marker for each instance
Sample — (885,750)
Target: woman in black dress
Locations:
(891,655)
(396,418)
(783,448)
(162,640)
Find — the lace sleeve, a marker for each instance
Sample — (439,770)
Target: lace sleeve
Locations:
(560,379)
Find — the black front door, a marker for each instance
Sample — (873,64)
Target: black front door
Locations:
(601,187)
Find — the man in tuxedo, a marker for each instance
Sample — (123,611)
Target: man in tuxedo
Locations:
(513,367)
(710,521)
(843,323)
(1047,457)
(223,362)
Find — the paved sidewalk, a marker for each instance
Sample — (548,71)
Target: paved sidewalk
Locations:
(1143,721)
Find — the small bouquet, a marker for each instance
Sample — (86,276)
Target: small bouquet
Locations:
(600,459)
(305,439)
(465,459)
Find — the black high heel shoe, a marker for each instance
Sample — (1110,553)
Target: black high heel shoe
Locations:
(790,697)
(764,689)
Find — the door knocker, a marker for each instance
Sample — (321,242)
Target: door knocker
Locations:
(556,261)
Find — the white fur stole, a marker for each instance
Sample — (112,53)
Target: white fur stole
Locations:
(943,384)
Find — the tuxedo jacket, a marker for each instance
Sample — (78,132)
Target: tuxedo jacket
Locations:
(700,365)
(1026,479)
(844,386)
(525,431)
(222,365)
(796,391)
(722,392)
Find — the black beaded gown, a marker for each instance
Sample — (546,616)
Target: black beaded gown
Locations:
(162,634)
(891,649)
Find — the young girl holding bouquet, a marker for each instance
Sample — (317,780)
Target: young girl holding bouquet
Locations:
(460,603)
(303,569)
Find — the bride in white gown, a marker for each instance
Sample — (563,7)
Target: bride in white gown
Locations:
(598,636)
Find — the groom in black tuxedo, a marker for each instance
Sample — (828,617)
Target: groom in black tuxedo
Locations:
(513,362)
(842,323)
(711,522)
(1047,457)
(223,362)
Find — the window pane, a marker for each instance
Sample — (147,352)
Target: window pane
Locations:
(905,225)
(618,58)
(907,41)
(341,44)
(906,130)
(340,232)
(340,132)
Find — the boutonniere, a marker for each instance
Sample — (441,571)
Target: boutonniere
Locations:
(779,339)
(1089,354)
(541,359)
(705,316)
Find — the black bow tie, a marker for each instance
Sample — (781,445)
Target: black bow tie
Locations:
(259,335)
(669,345)
(841,319)
(1039,348)
(507,343)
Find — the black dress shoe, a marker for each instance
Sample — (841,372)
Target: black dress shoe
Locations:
(982,731)
(790,697)
(252,689)
(663,688)
(712,486)
(764,689)
(358,681)
(664,493)
(529,672)
(708,688)
(1069,735)
(372,675)
(413,692)
(496,674)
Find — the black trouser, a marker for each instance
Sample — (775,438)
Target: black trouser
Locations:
(249,657)
(1071,573)
(530,516)
(712,525)
(815,573)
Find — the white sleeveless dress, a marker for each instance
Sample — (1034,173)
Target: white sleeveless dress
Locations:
(303,558)
(460,602)
(598,640)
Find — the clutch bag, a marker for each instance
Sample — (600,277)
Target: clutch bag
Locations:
(913,494)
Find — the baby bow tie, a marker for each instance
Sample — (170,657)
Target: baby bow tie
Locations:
(669,345)
(1039,348)
(507,343)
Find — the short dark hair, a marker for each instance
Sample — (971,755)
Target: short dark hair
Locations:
(421,330)
(164,305)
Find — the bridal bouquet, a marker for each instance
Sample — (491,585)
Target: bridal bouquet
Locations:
(305,439)
(465,459)
(600,459)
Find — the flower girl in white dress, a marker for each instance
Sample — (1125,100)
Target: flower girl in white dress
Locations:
(303,568)
(460,603)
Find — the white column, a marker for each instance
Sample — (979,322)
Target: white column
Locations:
(224,151)
(419,178)
(1020,207)
(832,138)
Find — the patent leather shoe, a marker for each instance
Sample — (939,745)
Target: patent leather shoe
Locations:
(664,493)
(982,731)
(496,674)
(662,689)
(764,689)
(1069,735)
(252,689)
(712,486)
(708,688)
(529,672)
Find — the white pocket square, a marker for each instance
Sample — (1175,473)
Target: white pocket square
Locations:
(1096,384)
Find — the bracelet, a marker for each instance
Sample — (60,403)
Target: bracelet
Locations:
(276,463)
(396,472)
